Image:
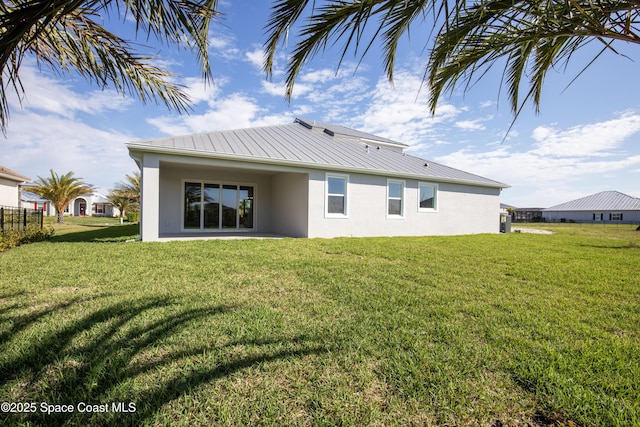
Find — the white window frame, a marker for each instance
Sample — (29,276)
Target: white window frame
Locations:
(345,213)
(435,196)
(221,183)
(402,198)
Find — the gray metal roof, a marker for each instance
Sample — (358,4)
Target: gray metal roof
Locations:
(343,131)
(27,196)
(604,201)
(299,144)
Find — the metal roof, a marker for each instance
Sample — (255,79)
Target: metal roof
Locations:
(343,131)
(603,201)
(27,196)
(307,144)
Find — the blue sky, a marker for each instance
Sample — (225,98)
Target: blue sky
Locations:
(586,138)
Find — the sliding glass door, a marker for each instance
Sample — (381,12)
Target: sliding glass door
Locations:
(216,206)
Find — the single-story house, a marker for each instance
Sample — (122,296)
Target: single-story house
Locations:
(10,185)
(606,206)
(304,179)
(93,204)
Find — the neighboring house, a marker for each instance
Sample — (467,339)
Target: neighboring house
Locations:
(527,214)
(10,187)
(607,206)
(33,201)
(94,204)
(305,179)
(506,209)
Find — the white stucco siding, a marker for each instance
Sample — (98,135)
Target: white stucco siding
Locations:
(150,198)
(8,193)
(461,209)
(292,201)
(588,216)
(172,179)
(290,195)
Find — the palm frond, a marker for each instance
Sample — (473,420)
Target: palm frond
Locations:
(284,14)
(66,35)
(531,37)
(528,37)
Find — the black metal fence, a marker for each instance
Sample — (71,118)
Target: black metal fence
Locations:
(17,219)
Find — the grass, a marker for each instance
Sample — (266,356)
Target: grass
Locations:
(515,329)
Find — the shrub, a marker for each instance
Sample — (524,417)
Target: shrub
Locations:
(133,216)
(31,234)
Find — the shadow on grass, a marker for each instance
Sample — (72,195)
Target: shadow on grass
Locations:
(119,353)
(115,233)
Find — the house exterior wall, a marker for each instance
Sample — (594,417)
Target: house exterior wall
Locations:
(587,216)
(292,201)
(171,182)
(290,204)
(150,197)
(8,193)
(461,209)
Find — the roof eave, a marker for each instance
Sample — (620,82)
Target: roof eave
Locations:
(15,178)
(133,146)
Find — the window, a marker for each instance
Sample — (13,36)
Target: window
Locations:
(615,217)
(428,197)
(395,198)
(598,217)
(192,203)
(214,206)
(336,201)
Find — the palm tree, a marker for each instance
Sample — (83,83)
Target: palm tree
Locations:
(60,190)
(120,201)
(531,36)
(68,35)
(126,196)
(131,188)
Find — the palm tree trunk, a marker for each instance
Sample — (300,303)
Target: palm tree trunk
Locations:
(60,217)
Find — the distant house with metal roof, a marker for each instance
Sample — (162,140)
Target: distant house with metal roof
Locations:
(606,206)
(10,184)
(304,179)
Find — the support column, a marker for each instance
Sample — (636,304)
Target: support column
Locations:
(150,198)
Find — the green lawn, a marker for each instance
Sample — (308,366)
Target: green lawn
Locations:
(517,329)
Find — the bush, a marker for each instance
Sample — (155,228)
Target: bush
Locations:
(31,234)
(133,216)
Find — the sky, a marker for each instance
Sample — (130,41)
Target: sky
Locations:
(585,139)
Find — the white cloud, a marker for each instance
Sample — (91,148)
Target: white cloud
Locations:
(235,111)
(597,139)
(274,89)
(255,57)
(46,94)
(320,76)
(560,163)
(470,125)
(400,112)
(201,91)
(224,47)
(279,89)
(36,143)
